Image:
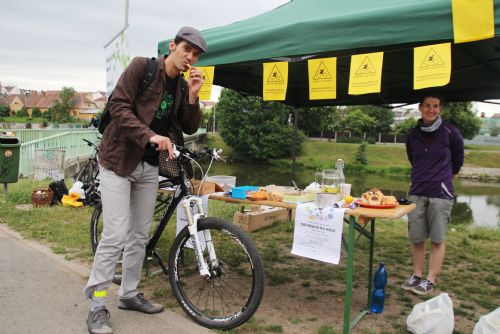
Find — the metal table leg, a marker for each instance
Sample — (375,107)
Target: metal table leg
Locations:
(348,279)
(348,325)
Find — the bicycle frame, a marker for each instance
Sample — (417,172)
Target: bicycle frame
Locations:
(184,194)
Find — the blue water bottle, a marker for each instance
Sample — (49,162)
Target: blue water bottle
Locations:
(378,293)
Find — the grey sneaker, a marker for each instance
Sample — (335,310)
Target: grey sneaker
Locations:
(423,288)
(411,282)
(98,321)
(139,303)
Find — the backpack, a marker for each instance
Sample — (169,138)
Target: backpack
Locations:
(59,188)
(145,82)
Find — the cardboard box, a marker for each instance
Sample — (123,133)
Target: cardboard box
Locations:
(206,188)
(252,221)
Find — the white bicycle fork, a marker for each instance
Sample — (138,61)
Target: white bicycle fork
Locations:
(192,221)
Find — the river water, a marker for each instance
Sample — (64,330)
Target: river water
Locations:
(477,203)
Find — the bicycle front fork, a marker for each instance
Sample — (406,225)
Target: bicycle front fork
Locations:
(192,220)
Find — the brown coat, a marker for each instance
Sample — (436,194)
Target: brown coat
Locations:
(124,140)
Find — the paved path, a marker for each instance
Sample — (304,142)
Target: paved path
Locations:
(41,293)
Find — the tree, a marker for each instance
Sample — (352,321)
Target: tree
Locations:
(384,118)
(23,112)
(462,116)
(406,126)
(4,111)
(359,122)
(61,109)
(255,129)
(36,112)
(318,119)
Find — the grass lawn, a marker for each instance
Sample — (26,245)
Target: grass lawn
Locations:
(302,295)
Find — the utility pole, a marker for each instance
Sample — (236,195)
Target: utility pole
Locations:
(125,26)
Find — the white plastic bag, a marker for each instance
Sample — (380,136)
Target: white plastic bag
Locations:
(489,323)
(77,188)
(434,316)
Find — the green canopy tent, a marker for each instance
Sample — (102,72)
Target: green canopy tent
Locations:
(304,29)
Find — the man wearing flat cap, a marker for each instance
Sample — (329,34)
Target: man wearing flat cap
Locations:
(144,122)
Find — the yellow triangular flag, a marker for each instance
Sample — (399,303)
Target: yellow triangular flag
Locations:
(431,65)
(208,75)
(275,81)
(322,78)
(473,20)
(366,73)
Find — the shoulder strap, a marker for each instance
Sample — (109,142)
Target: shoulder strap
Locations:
(148,76)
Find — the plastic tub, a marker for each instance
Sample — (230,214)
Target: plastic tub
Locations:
(226,182)
(242,191)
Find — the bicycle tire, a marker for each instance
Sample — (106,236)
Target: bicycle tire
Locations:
(96,225)
(237,284)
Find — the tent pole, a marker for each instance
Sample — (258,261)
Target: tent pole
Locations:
(295,139)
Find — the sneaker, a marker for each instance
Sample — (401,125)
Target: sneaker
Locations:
(423,288)
(411,282)
(98,321)
(139,303)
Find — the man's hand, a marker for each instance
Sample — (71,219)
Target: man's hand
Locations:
(195,81)
(162,143)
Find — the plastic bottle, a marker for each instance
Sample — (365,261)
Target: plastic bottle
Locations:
(378,293)
(340,171)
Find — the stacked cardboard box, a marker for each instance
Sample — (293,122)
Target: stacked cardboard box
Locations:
(260,217)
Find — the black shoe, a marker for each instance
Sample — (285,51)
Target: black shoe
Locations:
(139,303)
(98,321)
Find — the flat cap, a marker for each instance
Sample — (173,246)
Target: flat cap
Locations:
(193,36)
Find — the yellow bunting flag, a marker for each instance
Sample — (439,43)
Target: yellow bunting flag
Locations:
(322,78)
(366,73)
(431,65)
(473,20)
(208,75)
(275,81)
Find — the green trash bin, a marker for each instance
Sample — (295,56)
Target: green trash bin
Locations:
(9,159)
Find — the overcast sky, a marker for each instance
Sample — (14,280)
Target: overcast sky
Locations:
(47,45)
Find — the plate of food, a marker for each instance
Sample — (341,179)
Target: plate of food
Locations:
(375,199)
(375,206)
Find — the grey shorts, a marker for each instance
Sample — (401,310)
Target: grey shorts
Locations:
(430,219)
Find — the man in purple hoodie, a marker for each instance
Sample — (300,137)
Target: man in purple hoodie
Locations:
(436,152)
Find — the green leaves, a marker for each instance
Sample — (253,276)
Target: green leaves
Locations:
(255,129)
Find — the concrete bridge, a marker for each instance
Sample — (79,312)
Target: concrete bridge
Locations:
(65,148)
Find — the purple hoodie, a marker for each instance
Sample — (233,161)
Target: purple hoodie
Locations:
(434,158)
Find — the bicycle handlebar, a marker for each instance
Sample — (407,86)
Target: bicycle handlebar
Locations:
(211,152)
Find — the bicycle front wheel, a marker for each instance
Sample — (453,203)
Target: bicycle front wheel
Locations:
(233,292)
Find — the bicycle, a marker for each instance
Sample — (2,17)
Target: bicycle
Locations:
(89,176)
(216,273)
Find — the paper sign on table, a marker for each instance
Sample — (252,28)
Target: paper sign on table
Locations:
(318,232)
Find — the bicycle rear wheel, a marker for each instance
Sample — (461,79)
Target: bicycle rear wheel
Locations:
(233,292)
(88,173)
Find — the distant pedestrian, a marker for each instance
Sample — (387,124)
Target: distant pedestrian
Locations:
(436,152)
(94,122)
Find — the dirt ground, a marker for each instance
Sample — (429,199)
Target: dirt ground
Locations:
(314,308)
